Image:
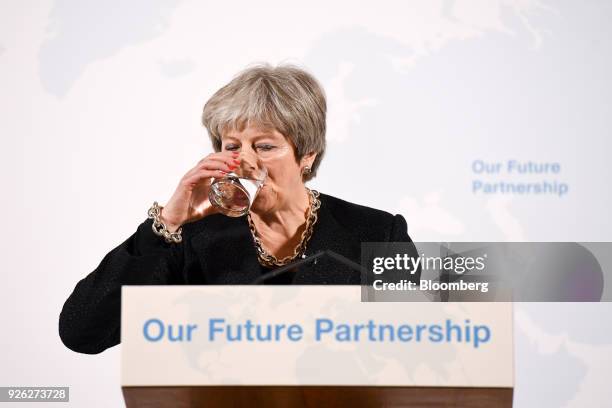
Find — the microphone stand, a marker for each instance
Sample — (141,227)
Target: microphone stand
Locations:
(311,259)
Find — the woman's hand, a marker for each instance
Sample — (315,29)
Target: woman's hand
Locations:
(190,200)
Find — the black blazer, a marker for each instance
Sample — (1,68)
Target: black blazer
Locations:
(215,250)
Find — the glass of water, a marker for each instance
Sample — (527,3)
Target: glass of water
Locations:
(234,193)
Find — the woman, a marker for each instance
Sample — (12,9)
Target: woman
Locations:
(274,114)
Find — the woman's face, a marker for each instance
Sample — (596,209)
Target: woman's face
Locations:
(277,155)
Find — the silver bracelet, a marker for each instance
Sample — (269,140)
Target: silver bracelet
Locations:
(159,228)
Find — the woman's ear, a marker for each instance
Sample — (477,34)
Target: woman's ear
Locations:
(307,161)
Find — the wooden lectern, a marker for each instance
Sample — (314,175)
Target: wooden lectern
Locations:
(177,350)
(316,396)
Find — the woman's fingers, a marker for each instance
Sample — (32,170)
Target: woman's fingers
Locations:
(216,161)
(203,174)
(180,209)
(215,165)
(228,160)
(209,163)
(225,156)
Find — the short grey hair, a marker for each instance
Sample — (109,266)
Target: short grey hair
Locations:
(284,97)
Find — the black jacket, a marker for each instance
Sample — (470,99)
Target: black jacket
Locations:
(215,250)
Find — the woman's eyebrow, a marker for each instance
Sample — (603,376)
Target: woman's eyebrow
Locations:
(229,137)
(262,135)
(256,137)
(259,137)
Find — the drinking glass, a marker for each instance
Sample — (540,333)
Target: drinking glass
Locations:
(234,193)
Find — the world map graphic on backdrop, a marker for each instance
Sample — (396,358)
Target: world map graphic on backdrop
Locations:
(438,111)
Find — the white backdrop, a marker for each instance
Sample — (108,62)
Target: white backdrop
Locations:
(101,104)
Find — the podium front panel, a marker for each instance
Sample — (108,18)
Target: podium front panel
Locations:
(309,336)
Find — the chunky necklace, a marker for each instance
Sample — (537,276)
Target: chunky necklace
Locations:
(267,259)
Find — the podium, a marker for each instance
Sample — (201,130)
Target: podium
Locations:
(310,346)
(316,396)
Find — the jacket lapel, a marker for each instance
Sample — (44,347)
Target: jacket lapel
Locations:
(329,234)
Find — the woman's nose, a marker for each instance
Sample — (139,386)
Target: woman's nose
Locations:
(248,156)
(248,150)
